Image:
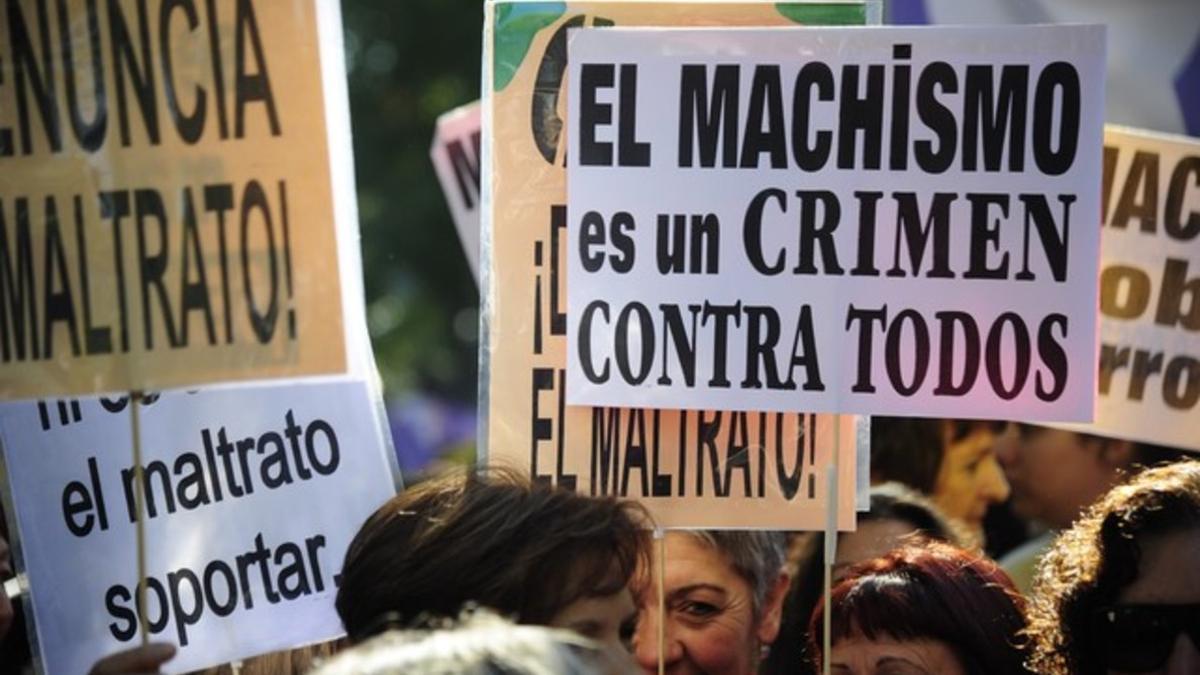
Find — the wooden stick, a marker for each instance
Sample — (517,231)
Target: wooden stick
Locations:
(661,536)
(831,534)
(139,499)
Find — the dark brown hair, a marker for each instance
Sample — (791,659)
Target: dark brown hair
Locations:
(909,450)
(494,540)
(937,592)
(1090,563)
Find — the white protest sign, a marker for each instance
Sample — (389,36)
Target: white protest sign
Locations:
(1149,383)
(455,155)
(867,220)
(252,496)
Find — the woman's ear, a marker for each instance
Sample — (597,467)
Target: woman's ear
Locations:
(772,610)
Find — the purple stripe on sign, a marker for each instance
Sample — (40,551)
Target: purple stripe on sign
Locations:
(1187,88)
(909,13)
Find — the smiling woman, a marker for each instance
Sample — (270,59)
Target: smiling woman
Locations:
(723,593)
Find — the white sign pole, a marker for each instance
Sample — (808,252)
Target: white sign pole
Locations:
(139,499)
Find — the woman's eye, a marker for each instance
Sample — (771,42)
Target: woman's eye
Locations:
(699,610)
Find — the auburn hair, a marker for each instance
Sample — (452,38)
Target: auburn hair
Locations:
(932,591)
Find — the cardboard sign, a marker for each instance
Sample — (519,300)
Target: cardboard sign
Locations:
(455,154)
(251,497)
(691,469)
(1149,384)
(880,221)
(167,209)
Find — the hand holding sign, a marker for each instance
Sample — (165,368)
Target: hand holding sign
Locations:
(142,660)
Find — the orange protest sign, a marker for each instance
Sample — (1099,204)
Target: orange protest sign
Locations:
(167,209)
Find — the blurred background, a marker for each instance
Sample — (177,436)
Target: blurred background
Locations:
(407,63)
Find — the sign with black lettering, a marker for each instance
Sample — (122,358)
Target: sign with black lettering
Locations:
(252,495)
(455,155)
(712,468)
(167,199)
(878,221)
(1149,385)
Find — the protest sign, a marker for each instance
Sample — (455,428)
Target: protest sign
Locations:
(697,463)
(168,208)
(1149,383)
(455,155)
(1155,88)
(252,495)
(880,221)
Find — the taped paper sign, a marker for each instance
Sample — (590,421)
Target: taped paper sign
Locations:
(879,221)
(455,155)
(251,497)
(1149,386)
(691,469)
(167,209)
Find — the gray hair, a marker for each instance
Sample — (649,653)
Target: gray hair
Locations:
(757,556)
(481,643)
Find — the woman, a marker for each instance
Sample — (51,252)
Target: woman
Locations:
(952,461)
(898,515)
(723,594)
(921,609)
(535,554)
(1117,593)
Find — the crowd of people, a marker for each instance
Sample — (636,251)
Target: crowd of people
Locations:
(484,572)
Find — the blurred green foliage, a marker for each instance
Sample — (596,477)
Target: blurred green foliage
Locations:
(408,61)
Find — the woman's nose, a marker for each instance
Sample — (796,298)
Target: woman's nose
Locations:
(993,484)
(646,640)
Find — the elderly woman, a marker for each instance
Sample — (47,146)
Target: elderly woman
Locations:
(925,609)
(723,597)
(1117,593)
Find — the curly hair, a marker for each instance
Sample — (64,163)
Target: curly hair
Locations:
(1090,563)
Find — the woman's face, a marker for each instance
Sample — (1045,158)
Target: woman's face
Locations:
(710,624)
(607,619)
(969,478)
(856,655)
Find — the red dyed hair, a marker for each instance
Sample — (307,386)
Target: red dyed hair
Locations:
(932,591)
